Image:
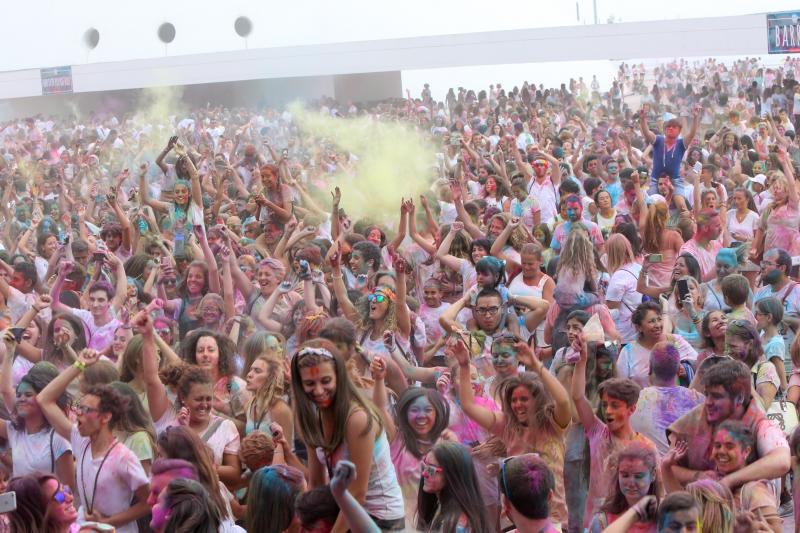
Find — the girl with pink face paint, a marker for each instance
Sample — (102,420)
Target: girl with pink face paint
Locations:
(636,477)
(337,423)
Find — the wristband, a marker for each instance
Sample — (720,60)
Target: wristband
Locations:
(334,276)
(80,365)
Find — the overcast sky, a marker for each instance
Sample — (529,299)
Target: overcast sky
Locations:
(42,33)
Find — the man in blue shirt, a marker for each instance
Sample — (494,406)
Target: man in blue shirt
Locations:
(668,152)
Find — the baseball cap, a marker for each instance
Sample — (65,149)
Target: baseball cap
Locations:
(761,179)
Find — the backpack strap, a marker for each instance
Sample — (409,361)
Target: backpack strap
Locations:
(212,429)
(52,452)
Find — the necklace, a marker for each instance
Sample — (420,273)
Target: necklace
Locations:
(90,502)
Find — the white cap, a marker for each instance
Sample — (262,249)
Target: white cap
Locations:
(761,179)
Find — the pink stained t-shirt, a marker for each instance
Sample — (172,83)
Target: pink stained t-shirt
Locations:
(602,445)
(706,257)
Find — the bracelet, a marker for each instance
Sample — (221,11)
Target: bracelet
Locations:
(334,276)
(80,365)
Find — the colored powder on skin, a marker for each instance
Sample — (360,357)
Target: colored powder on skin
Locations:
(393,161)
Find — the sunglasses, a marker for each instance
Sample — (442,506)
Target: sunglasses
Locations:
(163,331)
(376,297)
(61,494)
(429,470)
(84,409)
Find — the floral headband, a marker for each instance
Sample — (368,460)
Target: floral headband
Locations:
(321,352)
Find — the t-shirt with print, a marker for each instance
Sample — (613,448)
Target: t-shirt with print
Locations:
(602,445)
(667,160)
(32,452)
(525,210)
(99,337)
(117,481)
(562,232)
(658,408)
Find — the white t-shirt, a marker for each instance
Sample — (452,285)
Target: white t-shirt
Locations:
(121,475)
(622,288)
(31,452)
(634,360)
(746,228)
(18,303)
(225,438)
(99,337)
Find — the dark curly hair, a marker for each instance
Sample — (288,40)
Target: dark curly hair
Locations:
(111,402)
(225,346)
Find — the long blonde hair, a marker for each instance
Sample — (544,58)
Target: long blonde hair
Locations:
(619,251)
(654,227)
(270,391)
(716,503)
(577,254)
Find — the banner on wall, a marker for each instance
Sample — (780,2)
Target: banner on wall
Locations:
(56,80)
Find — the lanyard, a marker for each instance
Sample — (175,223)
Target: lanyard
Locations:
(90,503)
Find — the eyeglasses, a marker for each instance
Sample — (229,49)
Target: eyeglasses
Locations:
(503,475)
(429,470)
(376,297)
(165,331)
(61,494)
(487,310)
(83,409)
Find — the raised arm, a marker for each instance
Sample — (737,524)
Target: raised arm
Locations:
(339,288)
(356,517)
(448,319)
(160,159)
(582,405)
(401,308)
(433,227)
(6,382)
(144,193)
(462,215)
(429,248)
(649,136)
(443,253)
(121,282)
(64,270)
(378,370)
(49,396)
(697,110)
(493,422)
(157,399)
(786,165)
(563,408)
(123,220)
(227,284)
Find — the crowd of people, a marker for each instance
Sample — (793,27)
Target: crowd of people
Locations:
(586,321)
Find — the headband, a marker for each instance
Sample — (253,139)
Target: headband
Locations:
(321,352)
(386,291)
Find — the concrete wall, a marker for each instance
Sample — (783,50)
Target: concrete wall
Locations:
(268,92)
